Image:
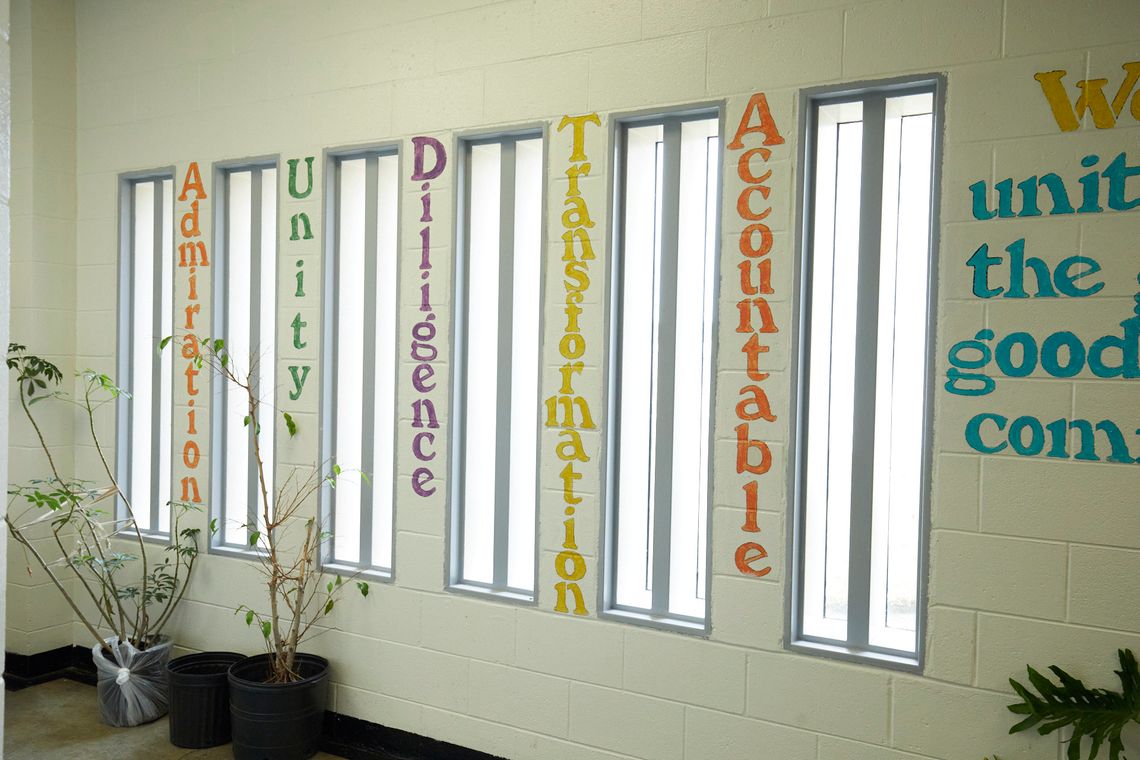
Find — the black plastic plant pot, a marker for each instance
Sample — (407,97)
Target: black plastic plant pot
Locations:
(277,721)
(200,699)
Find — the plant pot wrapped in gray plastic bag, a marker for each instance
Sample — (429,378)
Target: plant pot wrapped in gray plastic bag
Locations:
(133,687)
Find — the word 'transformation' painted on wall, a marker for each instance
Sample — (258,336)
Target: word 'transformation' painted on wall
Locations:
(755,268)
(576,222)
(192,255)
(1013,274)
(424,330)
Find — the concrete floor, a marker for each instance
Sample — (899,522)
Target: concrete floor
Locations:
(60,720)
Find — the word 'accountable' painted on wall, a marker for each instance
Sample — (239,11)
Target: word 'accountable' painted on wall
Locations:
(192,255)
(755,268)
(423,347)
(566,409)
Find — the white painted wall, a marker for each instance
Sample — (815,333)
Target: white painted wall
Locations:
(5,274)
(44,273)
(1033,560)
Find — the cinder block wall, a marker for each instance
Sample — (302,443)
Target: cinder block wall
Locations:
(1033,559)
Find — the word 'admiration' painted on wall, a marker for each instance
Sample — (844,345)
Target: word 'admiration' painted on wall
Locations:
(423,348)
(560,408)
(755,268)
(300,229)
(1013,274)
(191,256)
(1091,98)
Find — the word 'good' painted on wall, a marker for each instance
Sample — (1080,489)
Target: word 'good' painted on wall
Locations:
(192,254)
(564,407)
(755,267)
(423,348)
(1091,98)
(300,229)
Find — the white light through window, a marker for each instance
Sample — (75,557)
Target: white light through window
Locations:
(499,297)
(146,316)
(864,368)
(362,308)
(664,300)
(245,288)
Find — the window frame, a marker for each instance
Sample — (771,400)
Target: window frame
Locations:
(810,100)
(327,385)
(218,326)
(611,364)
(125,279)
(457,397)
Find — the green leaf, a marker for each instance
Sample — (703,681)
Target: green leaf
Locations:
(339,580)
(213,526)
(363,588)
(249,617)
(290,424)
(245,421)
(254,537)
(266,629)
(328,606)
(165,342)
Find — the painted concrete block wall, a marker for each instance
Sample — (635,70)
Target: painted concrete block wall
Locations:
(1033,559)
(45,271)
(5,254)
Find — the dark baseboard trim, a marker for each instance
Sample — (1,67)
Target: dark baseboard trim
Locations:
(358,739)
(23,670)
(344,735)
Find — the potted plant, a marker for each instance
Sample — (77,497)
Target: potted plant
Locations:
(124,593)
(1101,716)
(278,698)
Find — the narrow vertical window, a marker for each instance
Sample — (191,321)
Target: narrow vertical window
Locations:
(864,369)
(146,315)
(361,359)
(663,303)
(495,418)
(245,314)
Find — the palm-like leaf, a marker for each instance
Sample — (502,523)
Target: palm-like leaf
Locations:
(1096,714)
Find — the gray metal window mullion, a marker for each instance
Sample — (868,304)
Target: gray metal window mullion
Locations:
(126,340)
(254,334)
(866,350)
(503,384)
(666,348)
(368,386)
(334,353)
(155,358)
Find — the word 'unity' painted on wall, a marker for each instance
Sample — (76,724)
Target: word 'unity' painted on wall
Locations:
(1015,274)
(564,408)
(755,267)
(300,230)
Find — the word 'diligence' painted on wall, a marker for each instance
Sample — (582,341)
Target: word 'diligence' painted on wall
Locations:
(425,167)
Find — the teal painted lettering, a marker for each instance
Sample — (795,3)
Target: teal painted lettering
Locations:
(293,191)
(1117,174)
(981,262)
(974,434)
(298,380)
(296,222)
(297,324)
